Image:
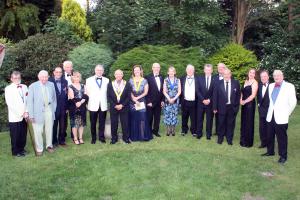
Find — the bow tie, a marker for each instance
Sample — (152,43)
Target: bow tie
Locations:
(68,75)
(190,77)
(265,84)
(98,78)
(19,86)
(277,85)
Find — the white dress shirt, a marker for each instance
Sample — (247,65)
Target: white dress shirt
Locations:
(189,89)
(157,79)
(229,90)
(68,78)
(264,89)
(220,77)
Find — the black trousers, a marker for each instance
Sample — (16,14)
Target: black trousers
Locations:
(66,126)
(114,119)
(263,131)
(94,116)
(18,136)
(226,125)
(189,110)
(154,117)
(201,111)
(280,130)
(216,122)
(60,124)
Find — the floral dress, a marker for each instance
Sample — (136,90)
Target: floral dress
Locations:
(171,110)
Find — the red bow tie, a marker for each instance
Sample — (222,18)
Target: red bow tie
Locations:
(19,86)
(277,85)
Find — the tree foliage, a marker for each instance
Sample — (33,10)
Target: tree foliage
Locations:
(125,24)
(75,15)
(86,56)
(166,55)
(238,59)
(18,19)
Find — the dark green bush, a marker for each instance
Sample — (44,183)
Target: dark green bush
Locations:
(86,56)
(167,55)
(41,51)
(238,59)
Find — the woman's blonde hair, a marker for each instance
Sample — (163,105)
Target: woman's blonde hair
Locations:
(76,73)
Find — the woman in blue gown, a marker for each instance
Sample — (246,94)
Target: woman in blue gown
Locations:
(139,126)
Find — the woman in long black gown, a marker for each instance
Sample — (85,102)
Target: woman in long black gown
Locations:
(247,101)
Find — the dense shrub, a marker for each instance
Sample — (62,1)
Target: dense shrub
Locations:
(41,51)
(86,56)
(238,59)
(4,115)
(167,55)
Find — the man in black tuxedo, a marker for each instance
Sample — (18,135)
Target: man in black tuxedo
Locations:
(188,100)
(118,93)
(67,74)
(263,102)
(218,77)
(205,87)
(226,101)
(61,89)
(154,98)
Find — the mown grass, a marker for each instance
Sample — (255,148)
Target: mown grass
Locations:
(165,168)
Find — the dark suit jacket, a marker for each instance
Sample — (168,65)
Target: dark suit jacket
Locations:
(263,101)
(154,95)
(198,95)
(124,100)
(61,97)
(207,94)
(220,97)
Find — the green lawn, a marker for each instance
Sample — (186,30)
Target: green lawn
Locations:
(165,168)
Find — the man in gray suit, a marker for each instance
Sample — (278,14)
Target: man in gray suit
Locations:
(41,105)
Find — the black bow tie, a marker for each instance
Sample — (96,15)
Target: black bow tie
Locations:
(156,76)
(99,78)
(190,78)
(68,75)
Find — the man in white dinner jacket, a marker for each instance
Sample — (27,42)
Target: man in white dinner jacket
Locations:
(282,103)
(96,88)
(16,98)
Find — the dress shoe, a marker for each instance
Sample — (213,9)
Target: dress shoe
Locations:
(262,146)
(63,144)
(183,133)
(219,142)
(50,150)
(156,134)
(19,155)
(194,135)
(267,154)
(93,142)
(282,160)
(113,142)
(127,141)
(24,152)
(102,141)
(229,143)
(208,138)
(199,137)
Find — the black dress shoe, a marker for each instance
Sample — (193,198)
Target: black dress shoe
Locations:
(194,135)
(113,142)
(199,137)
(282,160)
(93,142)
(102,141)
(127,141)
(262,146)
(24,152)
(156,134)
(229,143)
(267,154)
(19,155)
(183,133)
(208,138)
(219,142)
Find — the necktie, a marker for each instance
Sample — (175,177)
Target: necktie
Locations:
(226,90)
(207,82)
(45,95)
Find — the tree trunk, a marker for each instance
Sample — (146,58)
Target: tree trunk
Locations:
(241,11)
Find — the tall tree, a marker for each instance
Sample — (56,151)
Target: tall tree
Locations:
(18,19)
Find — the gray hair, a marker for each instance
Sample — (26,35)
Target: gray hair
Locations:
(43,72)
(277,71)
(15,73)
(99,65)
(190,66)
(67,62)
(208,65)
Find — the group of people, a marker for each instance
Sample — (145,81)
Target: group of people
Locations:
(139,102)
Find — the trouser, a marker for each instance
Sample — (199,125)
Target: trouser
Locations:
(188,111)
(18,135)
(46,127)
(114,119)
(226,125)
(101,116)
(207,110)
(154,117)
(263,131)
(61,125)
